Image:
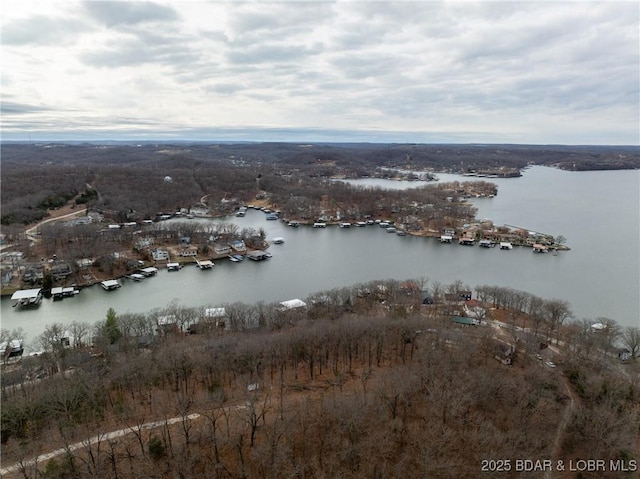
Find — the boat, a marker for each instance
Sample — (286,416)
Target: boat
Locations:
(233,259)
(485,243)
(401,232)
(173,266)
(27,297)
(446,239)
(238,257)
(345,225)
(391,229)
(136,277)
(506,245)
(293,224)
(110,284)
(278,240)
(362,223)
(319,225)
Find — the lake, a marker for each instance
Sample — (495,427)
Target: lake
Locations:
(598,213)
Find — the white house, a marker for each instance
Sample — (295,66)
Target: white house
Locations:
(159,254)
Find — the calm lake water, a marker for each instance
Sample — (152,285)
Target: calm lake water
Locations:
(598,213)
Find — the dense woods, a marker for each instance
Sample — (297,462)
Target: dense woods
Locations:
(130,180)
(368,381)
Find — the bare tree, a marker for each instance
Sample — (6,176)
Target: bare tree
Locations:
(631,340)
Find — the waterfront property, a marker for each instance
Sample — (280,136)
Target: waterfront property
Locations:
(221,249)
(159,254)
(27,297)
(258,255)
(60,292)
(540,248)
(205,264)
(110,284)
(150,271)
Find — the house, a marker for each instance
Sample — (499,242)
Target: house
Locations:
(144,243)
(167,324)
(239,246)
(199,210)
(506,354)
(473,309)
(624,354)
(60,271)
(466,295)
(292,304)
(160,254)
(540,248)
(11,349)
(217,316)
(33,274)
(6,275)
(84,263)
(221,249)
(189,252)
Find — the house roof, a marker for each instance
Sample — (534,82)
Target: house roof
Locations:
(293,303)
(214,312)
(463,321)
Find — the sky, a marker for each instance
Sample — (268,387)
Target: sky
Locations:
(403,71)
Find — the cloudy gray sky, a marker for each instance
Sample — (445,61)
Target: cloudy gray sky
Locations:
(417,71)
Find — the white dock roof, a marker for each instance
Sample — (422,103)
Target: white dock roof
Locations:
(26,294)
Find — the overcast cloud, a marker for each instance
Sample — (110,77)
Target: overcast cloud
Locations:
(419,71)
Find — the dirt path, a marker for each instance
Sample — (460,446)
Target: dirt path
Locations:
(31,231)
(567,415)
(105,436)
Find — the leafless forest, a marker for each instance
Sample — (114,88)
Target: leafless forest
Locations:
(367,382)
(128,179)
